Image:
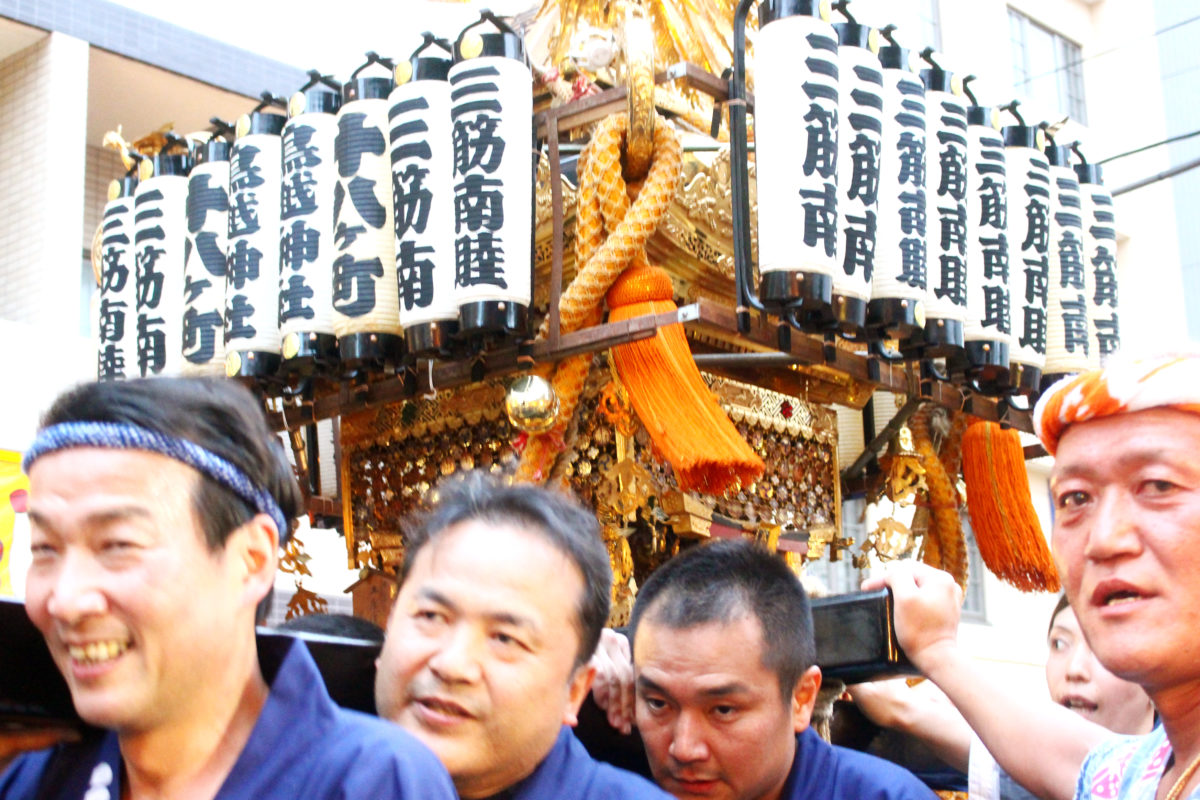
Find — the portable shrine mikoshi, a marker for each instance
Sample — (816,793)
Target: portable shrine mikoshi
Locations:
(645,332)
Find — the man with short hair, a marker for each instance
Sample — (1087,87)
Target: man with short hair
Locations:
(725,682)
(1126,492)
(502,597)
(157,508)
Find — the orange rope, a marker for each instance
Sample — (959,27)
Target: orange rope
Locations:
(665,388)
(943,545)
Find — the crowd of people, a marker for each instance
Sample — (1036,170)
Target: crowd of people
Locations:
(158,509)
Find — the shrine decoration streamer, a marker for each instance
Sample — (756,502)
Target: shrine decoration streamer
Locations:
(611,233)
(1006,527)
(944,546)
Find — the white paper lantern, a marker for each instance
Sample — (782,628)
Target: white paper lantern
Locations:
(1067,305)
(491,106)
(1029,252)
(987,332)
(160,234)
(900,279)
(422,157)
(1100,261)
(796,112)
(116,320)
(306,248)
(117,317)
(946,158)
(205,257)
(366,312)
(252,339)
(860,145)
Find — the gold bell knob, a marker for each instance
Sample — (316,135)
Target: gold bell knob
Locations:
(531,404)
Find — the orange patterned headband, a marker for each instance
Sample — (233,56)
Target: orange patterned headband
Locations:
(1164,381)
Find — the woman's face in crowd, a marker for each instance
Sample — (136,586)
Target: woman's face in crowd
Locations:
(1079,682)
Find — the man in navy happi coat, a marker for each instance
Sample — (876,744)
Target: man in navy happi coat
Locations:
(725,682)
(157,508)
(501,600)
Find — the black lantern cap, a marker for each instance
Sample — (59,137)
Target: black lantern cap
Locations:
(772,10)
(1087,173)
(894,56)
(1019,135)
(429,67)
(977,114)
(267,122)
(935,76)
(374,87)
(321,95)
(213,150)
(504,44)
(164,164)
(1090,173)
(125,185)
(1059,155)
(853,34)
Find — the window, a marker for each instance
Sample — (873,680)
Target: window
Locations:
(1047,69)
(918,23)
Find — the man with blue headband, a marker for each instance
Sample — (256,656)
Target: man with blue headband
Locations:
(157,509)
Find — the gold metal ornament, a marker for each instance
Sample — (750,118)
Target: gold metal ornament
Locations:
(531,404)
(402,74)
(825,9)
(996,118)
(114,190)
(291,345)
(233,364)
(145,169)
(956,86)
(243,125)
(873,41)
(296,104)
(471,45)
(919,314)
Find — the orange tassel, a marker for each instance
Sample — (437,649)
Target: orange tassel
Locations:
(686,423)
(1006,527)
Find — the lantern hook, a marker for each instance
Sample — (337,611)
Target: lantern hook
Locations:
(889,32)
(315,77)
(374,58)
(966,84)
(842,6)
(221,128)
(266,99)
(1012,109)
(927,56)
(428,39)
(1077,151)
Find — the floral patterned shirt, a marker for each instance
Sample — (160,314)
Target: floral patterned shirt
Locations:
(1126,768)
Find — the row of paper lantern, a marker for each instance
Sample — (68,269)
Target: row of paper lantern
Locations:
(921,217)
(393,214)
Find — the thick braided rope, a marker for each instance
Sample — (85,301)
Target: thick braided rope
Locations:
(610,235)
(121,436)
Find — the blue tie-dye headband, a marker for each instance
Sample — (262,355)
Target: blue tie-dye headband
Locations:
(122,436)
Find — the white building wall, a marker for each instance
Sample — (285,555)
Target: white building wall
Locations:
(43,91)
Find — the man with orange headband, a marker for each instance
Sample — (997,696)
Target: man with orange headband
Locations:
(1126,493)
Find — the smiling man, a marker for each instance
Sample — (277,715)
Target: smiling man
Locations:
(725,683)
(1126,493)
(502,596)
(157,508)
